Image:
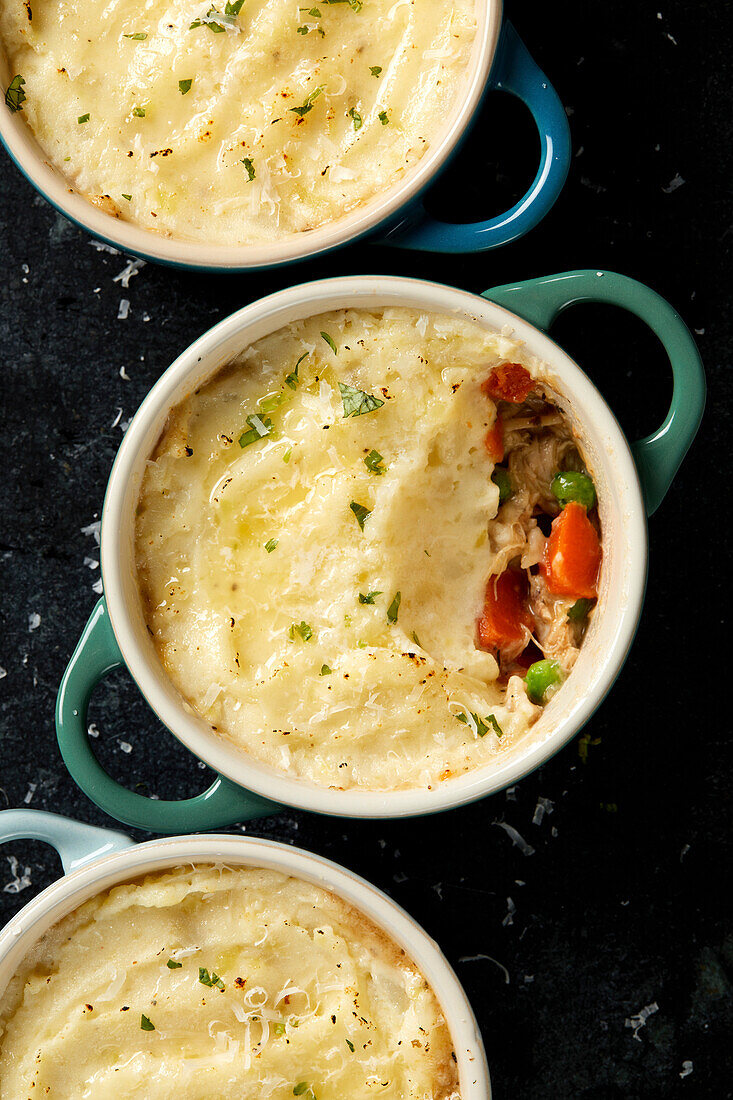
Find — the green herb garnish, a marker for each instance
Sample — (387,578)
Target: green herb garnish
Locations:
(350,1045)
(415,639)
(14,95)
(259,428)
(139,112)
(307,104)
(329,341)
(270,545)
(325,670)
(231,11)
(146,1024)
(394,608)
(303,629)
(362,514)
(355,118)
(373,463)
(286,456)
(212,980)
(185,86)
(128,197)
(478,725)
(173,965)
(279,1028)
(83,118)
(139,37)
(358,402)
(292,378)
(250,168)
(383,117)
(370,597)
(375,70)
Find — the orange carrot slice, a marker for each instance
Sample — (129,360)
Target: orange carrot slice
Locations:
(494,441)
(506,613)
(572,555)
(508,382)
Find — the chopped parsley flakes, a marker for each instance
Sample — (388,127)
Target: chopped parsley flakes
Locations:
(139,112)
(325,671)
(370,597)
(185,86)
(373,462)
(356,118)
(375,70)
(362,514)
(308,103)
(14,95)
(270,545)
(304,630)
(83,118)
(146,1024)
(259,428)
(140,36)
(215,20)
(173,965)
(292,378)
(394,608)
(479,726)
(250,168)
(383,117)
(358,402)
(329,340)
(211,979)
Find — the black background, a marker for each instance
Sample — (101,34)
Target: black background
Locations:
(628,903)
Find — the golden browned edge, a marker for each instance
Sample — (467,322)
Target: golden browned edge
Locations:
(365,929)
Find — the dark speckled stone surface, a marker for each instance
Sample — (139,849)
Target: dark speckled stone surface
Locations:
(623,903)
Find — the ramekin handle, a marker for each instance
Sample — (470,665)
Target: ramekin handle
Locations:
(658,456)
(75,842)
(514,71)
(224,803)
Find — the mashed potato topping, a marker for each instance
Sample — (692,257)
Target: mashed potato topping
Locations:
(238,122)
(313,550)
(208,982)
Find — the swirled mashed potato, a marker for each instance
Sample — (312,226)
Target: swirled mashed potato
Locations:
(197,981)
(238,122)
(312,551)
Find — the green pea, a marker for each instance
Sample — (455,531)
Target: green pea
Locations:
(543,676)
(579,610)
(500,477)
(571,485)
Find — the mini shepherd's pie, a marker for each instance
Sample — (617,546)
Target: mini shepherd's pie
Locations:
(206,982)
(368,549)
(238,122)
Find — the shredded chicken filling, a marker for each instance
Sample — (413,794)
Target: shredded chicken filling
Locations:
(546,537)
